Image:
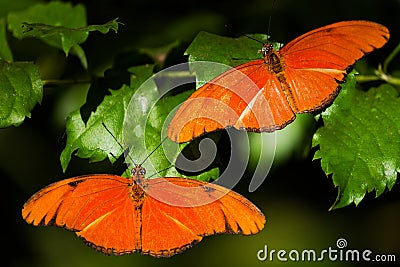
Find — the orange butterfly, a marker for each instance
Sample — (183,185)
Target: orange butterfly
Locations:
(159,217)
(302,77)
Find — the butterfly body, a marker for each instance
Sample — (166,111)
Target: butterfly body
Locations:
(272,59)
(160,217)
(265,95)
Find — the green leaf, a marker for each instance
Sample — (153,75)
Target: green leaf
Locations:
(21,88)
(92,140)
(11,5)
(144,130)
(143,126)
(54,13)
(80,53)
(58,24)
(230,51)
(5,51)
(225,50)
(359,143)
(42,30)
(135,115)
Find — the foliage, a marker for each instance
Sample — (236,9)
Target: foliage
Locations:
(360,156)
(358,143)
(21,89)
(21,86)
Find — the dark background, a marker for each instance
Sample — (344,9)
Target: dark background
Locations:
(296,195)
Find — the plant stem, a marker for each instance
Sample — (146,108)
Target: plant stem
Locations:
(56,82)
(390,57)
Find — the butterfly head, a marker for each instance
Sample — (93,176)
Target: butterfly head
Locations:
(138,173)
(267,49)
(139,170)
(272,58)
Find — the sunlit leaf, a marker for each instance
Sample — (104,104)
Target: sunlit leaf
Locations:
(135,116)
(58,24)
(54,13)
(5,51)
(359,143)
(21,89)
(92,140)
(225,50)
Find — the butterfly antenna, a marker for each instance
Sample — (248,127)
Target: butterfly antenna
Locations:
(248,36)
(269,20)
(170,166)
(252,38)
(148,156)
(126,151)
